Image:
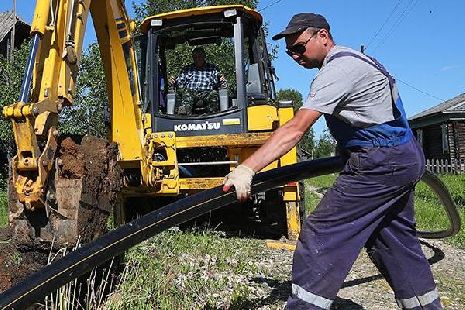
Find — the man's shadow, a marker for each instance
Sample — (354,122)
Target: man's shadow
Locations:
(281,290)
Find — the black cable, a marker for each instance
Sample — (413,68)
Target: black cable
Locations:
(438,187)
(384,24)
(269,5)
(114,243)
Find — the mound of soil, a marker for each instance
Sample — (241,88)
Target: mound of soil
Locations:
(91,159)
(16,263)
(72,159)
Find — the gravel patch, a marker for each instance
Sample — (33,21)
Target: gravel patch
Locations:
(364,288)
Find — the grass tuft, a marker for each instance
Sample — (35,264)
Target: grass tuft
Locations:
(3,209)
(200,269)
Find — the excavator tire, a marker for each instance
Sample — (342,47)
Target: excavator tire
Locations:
(82,191)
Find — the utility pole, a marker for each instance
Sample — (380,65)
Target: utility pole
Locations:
(12,39)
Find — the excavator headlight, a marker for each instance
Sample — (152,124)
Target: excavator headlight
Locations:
(230,13)
(156,22)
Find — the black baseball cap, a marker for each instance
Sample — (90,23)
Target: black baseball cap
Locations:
(302,21)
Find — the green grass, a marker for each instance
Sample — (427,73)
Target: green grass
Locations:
(431,215)
(323,182)
(3,209)
(429,212)
(206,270)
(195,270)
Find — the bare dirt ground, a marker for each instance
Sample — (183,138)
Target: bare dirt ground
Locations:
(15,264)
(365,288)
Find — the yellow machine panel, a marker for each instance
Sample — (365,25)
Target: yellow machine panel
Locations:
(262,117)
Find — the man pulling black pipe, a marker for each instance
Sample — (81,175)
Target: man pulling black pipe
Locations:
(371,203)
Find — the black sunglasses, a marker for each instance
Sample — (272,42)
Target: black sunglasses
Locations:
(299,48)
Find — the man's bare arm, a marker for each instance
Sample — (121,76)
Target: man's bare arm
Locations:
(282,140)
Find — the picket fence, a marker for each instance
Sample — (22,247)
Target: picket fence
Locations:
(454,166)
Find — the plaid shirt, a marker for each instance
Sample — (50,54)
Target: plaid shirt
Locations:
(205,78)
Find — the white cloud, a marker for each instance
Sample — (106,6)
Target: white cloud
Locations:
(448,68)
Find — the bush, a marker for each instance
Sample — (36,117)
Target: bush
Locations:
(3,209)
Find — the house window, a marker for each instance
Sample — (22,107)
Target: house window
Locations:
(420,136)
(445,138)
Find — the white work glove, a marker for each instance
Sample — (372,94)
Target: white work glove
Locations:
(241,179)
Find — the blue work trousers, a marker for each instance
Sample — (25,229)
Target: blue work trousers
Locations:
(370,205)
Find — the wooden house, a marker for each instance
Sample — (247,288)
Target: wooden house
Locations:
(441,131)
(7,22)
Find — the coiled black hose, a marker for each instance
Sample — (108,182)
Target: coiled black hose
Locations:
(438,187)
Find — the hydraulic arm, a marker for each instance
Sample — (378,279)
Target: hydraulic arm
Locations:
(49,85)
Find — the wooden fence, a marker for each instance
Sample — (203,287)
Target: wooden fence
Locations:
(454,166)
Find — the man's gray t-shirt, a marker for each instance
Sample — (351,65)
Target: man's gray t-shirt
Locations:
(351,90)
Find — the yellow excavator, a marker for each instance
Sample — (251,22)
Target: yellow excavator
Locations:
(157,158)
(155,153)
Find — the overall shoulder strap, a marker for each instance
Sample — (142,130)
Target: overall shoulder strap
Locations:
(374,63)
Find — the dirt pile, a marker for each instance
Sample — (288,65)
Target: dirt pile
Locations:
(95,161)
(16,263)
(71,159)
(92,163)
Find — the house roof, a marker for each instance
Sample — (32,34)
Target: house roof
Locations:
(6,23)
(454,105)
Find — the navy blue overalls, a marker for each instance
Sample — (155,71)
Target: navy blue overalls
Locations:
(370,205)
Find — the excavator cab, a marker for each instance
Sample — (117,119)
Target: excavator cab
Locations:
(232,37)
(194,139)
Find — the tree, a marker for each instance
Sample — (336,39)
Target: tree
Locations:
(85,116)
(306,144)
(326,145)
(11,77)
(89,111)
(291,95)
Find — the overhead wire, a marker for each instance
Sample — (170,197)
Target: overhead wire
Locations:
(396,24)
(269,5)
(373,38)
(419,90)
(398,21)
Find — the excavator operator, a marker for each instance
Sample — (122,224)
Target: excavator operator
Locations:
(198,84)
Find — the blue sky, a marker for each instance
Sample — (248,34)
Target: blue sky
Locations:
(419,42)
